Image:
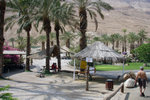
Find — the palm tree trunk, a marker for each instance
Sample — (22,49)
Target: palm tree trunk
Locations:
(52,43)
(131,47)
(68,43)
(83,27)
(47,29)
(13,44)
(113,45)
(28,48)
(141,41)
(117,44)
(2,13)
(43,46)
(106,43)
(125,46)
(57,28)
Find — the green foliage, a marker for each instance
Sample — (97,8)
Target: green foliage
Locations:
(6,96)
(143,52)
(132,37)
(75,48)
(132,66)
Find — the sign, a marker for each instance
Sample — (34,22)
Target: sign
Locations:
(89,59)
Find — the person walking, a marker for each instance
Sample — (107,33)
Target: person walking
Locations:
(141,78)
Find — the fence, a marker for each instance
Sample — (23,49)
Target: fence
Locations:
(121,87)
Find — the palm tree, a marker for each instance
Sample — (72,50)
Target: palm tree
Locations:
(64,15)
(24,11)
(92,7)
(12,40)
(118,38)
(42,39)
(45,9)
(33,40)
(67,37)
(105,39)
(142,36)
(52,37)
(132,38)
(113,38)
(21,43)
(2,13)
(124,41)
(96,38)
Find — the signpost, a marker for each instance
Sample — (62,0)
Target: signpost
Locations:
(87,72)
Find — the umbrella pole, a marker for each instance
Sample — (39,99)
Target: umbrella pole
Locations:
(74,70)
(87,78)
(123,67)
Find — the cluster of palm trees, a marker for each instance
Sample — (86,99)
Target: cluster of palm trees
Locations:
(130,39)
(29,13)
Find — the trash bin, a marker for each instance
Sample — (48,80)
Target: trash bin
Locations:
(109,84)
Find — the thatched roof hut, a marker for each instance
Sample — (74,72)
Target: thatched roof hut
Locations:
(99,52)
(42,54)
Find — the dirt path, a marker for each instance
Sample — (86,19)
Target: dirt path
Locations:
(27,86)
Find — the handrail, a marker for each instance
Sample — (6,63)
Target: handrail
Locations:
(108,97)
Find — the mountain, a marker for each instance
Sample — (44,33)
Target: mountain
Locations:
(132,15)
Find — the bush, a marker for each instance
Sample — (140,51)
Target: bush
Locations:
(10,58)
(6,96)
(143,53)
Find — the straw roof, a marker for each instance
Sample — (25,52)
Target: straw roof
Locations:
(99,52)
(13,52)
(64,49)
(42,54)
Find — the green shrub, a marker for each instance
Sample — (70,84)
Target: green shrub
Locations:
(143,53)
(6,96)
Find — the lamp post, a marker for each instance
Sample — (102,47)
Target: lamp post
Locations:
(124,53)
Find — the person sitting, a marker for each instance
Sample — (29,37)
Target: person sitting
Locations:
(54,67)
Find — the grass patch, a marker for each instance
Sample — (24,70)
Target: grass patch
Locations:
(132,66)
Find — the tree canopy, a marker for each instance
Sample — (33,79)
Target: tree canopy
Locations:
(143,52)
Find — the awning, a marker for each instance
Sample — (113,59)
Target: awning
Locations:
(12,52)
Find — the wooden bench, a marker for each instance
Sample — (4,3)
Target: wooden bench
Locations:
(82,73)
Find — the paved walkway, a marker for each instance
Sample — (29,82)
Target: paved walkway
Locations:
(134,93)
(131,93)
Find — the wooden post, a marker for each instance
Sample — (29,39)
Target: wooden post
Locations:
(122,88)
(87,78)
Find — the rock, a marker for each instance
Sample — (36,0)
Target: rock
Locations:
(129,75)
(129,83)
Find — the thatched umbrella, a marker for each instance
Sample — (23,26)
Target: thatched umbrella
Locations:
(42,54)
(99,52)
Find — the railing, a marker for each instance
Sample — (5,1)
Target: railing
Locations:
(121,87)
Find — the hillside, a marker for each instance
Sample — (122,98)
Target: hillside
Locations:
(132,15)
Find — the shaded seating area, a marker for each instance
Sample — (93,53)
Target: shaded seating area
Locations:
(12,60)
(98,52)
(42,54)
(83,69)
